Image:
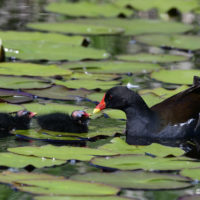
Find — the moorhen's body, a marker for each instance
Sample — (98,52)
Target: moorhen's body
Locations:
(61,122)
(20,121)
(175,118)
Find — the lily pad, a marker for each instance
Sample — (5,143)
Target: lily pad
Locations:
(183,6)
(22,82)
(51,107)
(88,9)
(60,153)
(58,92)
(28,69)
(119,146)
(136,180)
(151,99)
(133,162)
(174,41)
(155,58)
(81,198)
(76,28)
(138,26)
(88,84)
(53,185)
(5,107)
(191,173)
(21,161)
(170,76)
(112,67)
(31,50)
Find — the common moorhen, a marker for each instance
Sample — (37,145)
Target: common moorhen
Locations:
(174,118)
(20,121)
(61,122)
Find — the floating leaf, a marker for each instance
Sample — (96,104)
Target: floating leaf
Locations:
(88,9)
(170,76)
(151,99)
(132,162)
(162,6)
(116,114)
(29,69)
(58,92)
(22,82)
(119,146)
(51,107)
(60,153)
(76,28)
(155,58)
(138,26)
(21,161)
(192,173)
(136,180)
(88,84)
(5,107)
(54,185)
(175,41)
(112,67)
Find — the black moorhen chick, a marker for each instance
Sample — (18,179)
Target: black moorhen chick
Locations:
(61,122)
(174,118)
(20,121)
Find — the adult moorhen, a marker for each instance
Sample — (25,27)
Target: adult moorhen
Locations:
(174,118)
(61,122)
(20,121)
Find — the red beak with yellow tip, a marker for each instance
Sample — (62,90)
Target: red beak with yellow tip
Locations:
(100,106)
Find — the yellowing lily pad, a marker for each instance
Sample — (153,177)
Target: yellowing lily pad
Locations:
(29,69)
(76,28)
(170,76)
(21,161)
(55,185)
(162,6)
(136,180)
(132,162)
(155,58)
(119,146)
(88,9)
(112,67)
(174,41)
(22,82)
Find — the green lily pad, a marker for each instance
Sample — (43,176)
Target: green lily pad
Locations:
(88,84)
(136,180)
(87,9)
(58,92)
(54,185)
(151,99)
(133,162)
(175,41)
(81,198)
(95,96)
(162,6)
(51,107)
(191,173)
(155,58)
(60,153)
(138,26)
(170,76)
(21,161)
(29,69)
(6,107)
(115,114)
(76,28)
(22,82)
(31,50)
(112,67)
(119,146)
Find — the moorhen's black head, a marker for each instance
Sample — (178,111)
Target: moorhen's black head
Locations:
(22,119)
(119,97)
(80,116)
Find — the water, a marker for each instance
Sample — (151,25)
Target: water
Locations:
(14,15)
